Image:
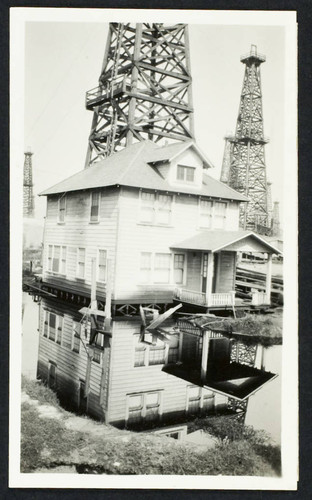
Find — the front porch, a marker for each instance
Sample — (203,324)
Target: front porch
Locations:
(220,300)
(210,274)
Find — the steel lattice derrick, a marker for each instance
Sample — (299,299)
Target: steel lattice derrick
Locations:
(28,198)
(247,170)
(144,89)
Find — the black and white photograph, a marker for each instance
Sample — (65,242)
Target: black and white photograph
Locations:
(153,242)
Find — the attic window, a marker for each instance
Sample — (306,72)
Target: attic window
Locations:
(186,174)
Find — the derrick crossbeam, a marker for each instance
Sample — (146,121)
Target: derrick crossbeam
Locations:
(144,89)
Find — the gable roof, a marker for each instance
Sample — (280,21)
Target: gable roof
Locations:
(217,240)
(130,167)
(170,152)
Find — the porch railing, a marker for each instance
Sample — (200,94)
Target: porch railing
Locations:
(190,296)
(259,298)
(222,299)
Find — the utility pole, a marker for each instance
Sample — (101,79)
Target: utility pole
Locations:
(28,197)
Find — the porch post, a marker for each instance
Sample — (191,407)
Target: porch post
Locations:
(210,269)
(268,278)
(204,359)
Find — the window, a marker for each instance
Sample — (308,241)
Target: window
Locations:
(144,406)
(102,265)
(162,268)
(52,375)
(95,206)
(156,208)
(157,353)
(173,353)
(61,208)
(76,337)
(81,257)
(193,399)
(186,174)
(178,266)
(57,259)
(146,267)
(219,214)
(147,207)
(53,327)
(199,400)
(206,208)
(163,212)
(140,350)
(97,356)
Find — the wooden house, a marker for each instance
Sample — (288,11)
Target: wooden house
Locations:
(170,232)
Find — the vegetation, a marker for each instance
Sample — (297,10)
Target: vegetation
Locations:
(47,442)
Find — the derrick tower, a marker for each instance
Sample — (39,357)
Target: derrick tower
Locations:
(28,198)
(244,167)
(144,89)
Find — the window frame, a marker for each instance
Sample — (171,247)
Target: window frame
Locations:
(185,170)
(147,349)
(97,219)
(78,261)
(153,270)
(50,259)
(184,268)
(143,406)
(61,211)
(98,265)
(213,213)
(201,398)
(75,335)
(156,208)
(59,327)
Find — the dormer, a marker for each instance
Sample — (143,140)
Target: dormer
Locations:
(181,164)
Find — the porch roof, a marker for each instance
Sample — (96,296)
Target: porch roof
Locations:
(215,241)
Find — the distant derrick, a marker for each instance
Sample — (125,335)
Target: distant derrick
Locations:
(244,166)
(28,198)
(144,89)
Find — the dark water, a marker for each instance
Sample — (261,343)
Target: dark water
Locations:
(264,407)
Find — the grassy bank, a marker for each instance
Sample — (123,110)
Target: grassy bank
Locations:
(48,442)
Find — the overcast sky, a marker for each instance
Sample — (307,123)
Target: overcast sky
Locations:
(63,60)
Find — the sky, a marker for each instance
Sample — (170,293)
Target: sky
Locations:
(63,60)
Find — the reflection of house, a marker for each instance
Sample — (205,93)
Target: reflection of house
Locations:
(171,233)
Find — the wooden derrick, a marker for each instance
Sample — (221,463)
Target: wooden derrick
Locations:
(144,89)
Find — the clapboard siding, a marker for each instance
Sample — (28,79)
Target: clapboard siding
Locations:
(126,379)
(71,366)
(226,274)
(78,232)
(135,237)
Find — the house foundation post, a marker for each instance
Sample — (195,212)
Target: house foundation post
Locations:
(204,359)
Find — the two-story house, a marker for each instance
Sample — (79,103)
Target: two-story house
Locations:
(169,232)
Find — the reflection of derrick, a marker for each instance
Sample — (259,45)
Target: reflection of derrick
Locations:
(245,171)
(144,89)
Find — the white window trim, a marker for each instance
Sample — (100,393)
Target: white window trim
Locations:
(155,209)
(59,322)
(63,196)
(73,336)
(98,264)
(213,212)
(77,261)
(201,397)
(57,273)
(171,281)
(147,353)
(184,181)
(98,217)
(143,398)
